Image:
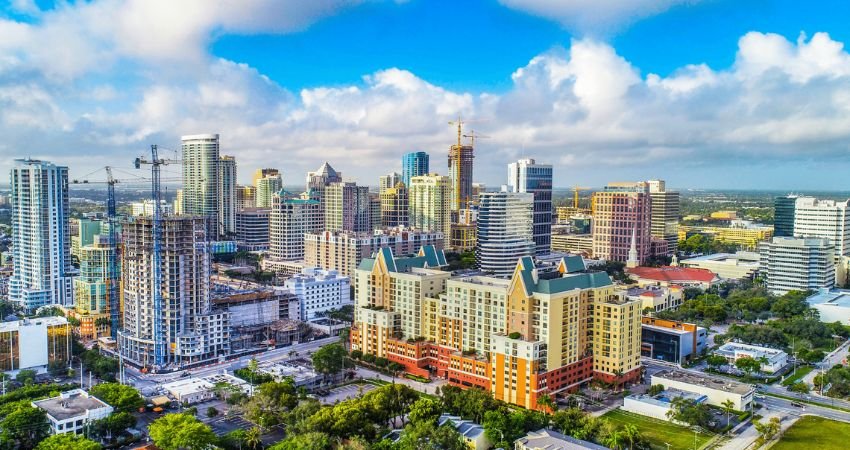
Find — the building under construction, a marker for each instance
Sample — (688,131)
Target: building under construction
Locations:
(460,171)
(257,316)
(189,331)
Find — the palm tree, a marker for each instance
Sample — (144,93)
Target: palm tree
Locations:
(618,374)
(728,406)
(547,404)
(763,361)
(253,438)
(614,441)
(631,435)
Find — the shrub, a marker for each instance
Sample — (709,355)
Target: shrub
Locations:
(356,354)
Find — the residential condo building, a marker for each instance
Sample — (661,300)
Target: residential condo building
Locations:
(413,164)
(228,202)
(267,186)
(526,175)
(664,214)
(347,207)
(505,231)
(201,177)
(319,291)
(430,203)
(291,217)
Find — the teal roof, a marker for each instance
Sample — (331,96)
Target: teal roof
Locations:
(575,281)
(434,257)
(366,264)
(574,263)
(399,264)
(387,253)
(526,272)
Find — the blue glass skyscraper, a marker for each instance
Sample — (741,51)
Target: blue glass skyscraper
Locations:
(527,176)
(413,164)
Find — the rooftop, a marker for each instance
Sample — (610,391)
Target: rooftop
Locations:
(552,440)
(466,428)
(665,398)
(834,297)
(739,258)
(70,404)
(703,380)
(729,349)
(47,321)
(673,274)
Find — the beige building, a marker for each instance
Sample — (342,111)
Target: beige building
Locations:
(395,206)
(573,243)
(430,203)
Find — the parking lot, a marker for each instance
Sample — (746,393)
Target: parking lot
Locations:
(344,393)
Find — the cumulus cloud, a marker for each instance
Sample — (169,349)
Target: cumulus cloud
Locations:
(584,108)
(594,17)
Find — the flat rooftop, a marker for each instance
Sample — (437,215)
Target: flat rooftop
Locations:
(729,348)
(834,297)
(70,404)
(666,397)
(17,324)
(703,380)
(668,330)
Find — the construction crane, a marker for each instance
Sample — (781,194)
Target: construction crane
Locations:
(156,162)
(474,135)
(459,124)
(576,189)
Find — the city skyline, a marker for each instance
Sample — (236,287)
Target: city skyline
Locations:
(683,91)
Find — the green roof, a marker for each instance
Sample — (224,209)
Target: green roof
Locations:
(575,281)
(574,263)
(434,257)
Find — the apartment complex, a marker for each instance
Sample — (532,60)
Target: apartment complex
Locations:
(228,203)
(430,203)
(34,343)
(388,181)
(801,264)
(41,235)
(184,328)
(347,207)
(526,175)
(621,215)
(290,218)
(413,164)
(319,290)
(269,184)
(344,251)
(395,207)
(519,338)
(505,231)
(246,197)
(91,289)
(664,214)
(206,178)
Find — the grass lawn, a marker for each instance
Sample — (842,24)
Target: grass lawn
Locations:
(797,376)
(658,432)
(815,433)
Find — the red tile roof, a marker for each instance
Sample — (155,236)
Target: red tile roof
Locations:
(673,274)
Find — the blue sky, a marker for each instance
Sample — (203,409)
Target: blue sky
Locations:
(703,93)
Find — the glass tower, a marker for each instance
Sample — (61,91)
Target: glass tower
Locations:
(413,164)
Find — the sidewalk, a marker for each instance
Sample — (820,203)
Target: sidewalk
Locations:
(835,357)
(746,439)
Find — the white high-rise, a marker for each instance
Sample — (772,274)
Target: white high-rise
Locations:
(41,235)
(797,264)
(526,175)
(826,219)
(505,230)
(290,218)
(227,196)
(201,180)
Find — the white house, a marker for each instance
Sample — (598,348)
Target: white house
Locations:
(71,411)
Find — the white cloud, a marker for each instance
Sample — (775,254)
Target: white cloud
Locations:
(594,16)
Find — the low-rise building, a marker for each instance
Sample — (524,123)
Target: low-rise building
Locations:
(34,343)
(727,266)
(71,411)
(656,298)
(573,243)
(669,340)
(319,291)
(670,276)
(471,433)
(657,406)
(716,390)
(833,305)
(301,374)
(743,234)
(773,360)
(197,390)
(546,439)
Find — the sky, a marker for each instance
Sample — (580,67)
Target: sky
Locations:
(743,94)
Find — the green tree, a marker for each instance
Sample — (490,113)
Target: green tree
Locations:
(330,359)
(767,430)
(181,432)
(24,427)
(715,361)
(655,389)
(306,441)
(546,403)
(121,397)
(569,421)
(212,412)
(689,411)
(799,387)
(429,436)
(113,425)
(748,365)
(57,368)
(254,438)
(26,376)
(728,406)
(271,401)
(67,441)
(425,410)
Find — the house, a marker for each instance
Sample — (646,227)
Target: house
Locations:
(71,411)
(471,432)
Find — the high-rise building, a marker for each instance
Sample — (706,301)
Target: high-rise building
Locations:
(41,235)
(374,211)
(262,173)
(85,230)
(91,297)
(621,211)
(252,229)
(826,219)
(246,197)
(290,219)
(145,208)
(267,186)
(343,251)
(201,180)
(189,331)
(533,334)
(413,164)
(227,196)
(430,203)
(504,231)
(318,181)
(783,216)
(664,214)
(388,181)
(178,202)
(460,172)
(347,207)
(395,206)
(797,264)
(526,175)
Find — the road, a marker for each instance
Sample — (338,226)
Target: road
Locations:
(147,383)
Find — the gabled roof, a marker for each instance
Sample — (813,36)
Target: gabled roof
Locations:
(552,440)
(572,263)
(433,256)
(403,264)
(569,281)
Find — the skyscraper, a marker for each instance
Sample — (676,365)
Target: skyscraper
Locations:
(504,230)
(91,299)
(227,195)
(413,164)
(827,219)
(189,331)
(41,235)
(201,180)
(262,173)
(246,197)
(460,172)
(430,203)
(347,207)
(797,264)
(319,180)
(388,181)
(621,210)
(290,218)
(783,216)
(395,206)
(664,214)
(267,186)
(527,176)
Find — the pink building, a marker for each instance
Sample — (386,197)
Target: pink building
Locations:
(621,211)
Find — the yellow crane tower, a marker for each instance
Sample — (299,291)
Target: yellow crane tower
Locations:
(576,189)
